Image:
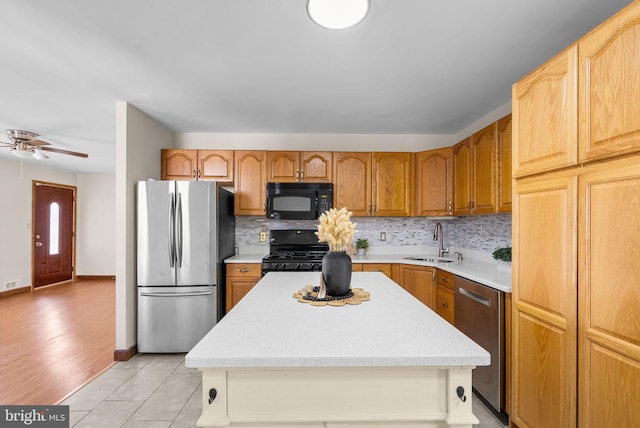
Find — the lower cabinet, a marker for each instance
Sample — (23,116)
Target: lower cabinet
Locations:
(241,277)
(444,295)
(385,268)
(419,281)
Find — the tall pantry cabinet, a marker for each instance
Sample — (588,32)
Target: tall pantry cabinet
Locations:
(576,233)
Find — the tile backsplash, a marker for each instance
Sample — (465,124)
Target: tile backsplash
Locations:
(482,233)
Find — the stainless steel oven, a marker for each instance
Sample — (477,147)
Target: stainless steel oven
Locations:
(479,314)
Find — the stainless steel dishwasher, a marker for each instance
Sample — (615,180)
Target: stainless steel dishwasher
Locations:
(479,314)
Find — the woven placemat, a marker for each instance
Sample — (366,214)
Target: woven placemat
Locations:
(309,294)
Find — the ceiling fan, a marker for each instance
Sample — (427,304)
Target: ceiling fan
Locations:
(25,144)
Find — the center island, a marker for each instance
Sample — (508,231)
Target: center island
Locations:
(387,362)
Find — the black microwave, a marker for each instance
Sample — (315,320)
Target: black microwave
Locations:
(298,201)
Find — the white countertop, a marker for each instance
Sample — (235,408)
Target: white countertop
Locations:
(269,328)
(481,271)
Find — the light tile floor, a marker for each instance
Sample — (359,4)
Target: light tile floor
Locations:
(158,391)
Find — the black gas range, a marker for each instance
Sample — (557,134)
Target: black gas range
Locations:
(294,250)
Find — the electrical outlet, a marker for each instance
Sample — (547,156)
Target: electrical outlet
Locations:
(263,236)
(383,236)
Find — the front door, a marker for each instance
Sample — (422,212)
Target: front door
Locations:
(53,226)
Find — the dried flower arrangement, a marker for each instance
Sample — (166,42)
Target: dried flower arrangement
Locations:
(336,229)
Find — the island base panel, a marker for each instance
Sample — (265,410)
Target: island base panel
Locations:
(337,397)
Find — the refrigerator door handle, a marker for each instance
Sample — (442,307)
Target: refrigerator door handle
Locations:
(179,231)
(197,293)
(172,244)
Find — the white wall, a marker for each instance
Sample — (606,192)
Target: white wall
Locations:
(96,225)
(93,202)
(311,142)
(138,142)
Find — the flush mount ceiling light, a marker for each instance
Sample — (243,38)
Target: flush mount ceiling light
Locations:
(337,14)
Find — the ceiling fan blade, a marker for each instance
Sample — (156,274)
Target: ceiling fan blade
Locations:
(65,152)
(38,143)
(3,144)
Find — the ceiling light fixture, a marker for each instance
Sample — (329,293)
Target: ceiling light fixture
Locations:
(22,153)
(37,153)
(337,14)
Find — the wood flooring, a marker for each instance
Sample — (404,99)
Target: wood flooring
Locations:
(54,340)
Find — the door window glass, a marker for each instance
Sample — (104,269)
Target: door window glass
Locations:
(54,228)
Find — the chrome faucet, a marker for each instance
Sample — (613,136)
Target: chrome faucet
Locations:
(437,234)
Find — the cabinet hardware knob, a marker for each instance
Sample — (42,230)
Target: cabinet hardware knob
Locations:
(243,270)
(444,279)
(302,175)
(297,175)
(450,207)
(445,304)
(199,173)
(212,395)
(194,173)
(460,393)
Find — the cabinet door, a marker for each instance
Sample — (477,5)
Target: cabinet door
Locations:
(392,178)
(544,329)
(504,165)
(352,182)
(215,165)
(462,159)
(609,76)
(316,167)
(434,183)
(179,164)
(241,278)
(250,182)
(418,280)
(283,167)
(545,116)
(483,187)
(609,294)
(444,303)
(385,268)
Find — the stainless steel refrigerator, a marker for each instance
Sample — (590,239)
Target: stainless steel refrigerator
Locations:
(185,229)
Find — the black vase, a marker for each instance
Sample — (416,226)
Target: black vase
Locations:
(336,270)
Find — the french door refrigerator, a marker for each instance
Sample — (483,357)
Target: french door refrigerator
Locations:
(185,229)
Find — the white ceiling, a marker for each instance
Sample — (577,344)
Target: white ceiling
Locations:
(261,66)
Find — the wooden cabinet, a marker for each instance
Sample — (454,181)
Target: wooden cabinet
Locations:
(576,284)
(250,182)
(474,171)
(609,87)
(352,182)
(288,167)
(609,294)
(378,184)
(434,183)
(178,164)
(444,295)
(241,277)
(419,281)
(545,116)
(504,176)
(373,267)
(544,297)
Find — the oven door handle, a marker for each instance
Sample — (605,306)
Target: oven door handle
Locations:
(473,296)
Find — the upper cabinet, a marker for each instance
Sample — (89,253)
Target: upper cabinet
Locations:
(434,183)
(609,87)
(475,171)
(373,184)
(504,164)
(180,164)
(289,167)
(545,116)
(352,182)
(250,182)
(391,184)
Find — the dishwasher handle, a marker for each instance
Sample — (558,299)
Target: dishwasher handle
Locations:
(476,297)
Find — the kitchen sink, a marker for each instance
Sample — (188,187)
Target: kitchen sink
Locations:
(430,259)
